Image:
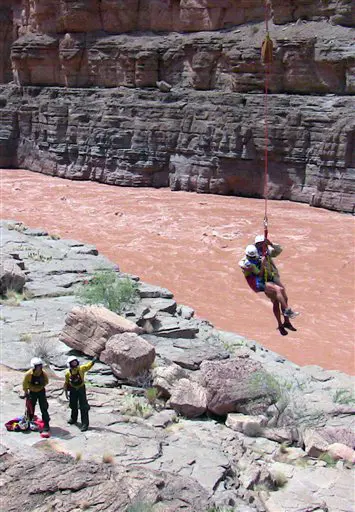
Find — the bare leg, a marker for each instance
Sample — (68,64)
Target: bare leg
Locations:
(272,293)
(283,289)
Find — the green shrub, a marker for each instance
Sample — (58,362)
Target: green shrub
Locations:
(13,298)
(344,396)
(328,459)
(151,395)
(107,289)
(136,406)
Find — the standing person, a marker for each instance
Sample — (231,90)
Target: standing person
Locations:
(253,267)
(75,386)
(34,383)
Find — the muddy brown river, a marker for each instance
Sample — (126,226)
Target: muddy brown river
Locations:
(191,244)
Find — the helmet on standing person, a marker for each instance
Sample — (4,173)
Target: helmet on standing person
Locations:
(71,359)
(36,361)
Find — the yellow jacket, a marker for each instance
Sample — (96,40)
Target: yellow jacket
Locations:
(75,377)
(34,381)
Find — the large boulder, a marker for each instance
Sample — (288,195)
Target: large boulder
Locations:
(318,440)
(188,398)
(88,328)
(340,451)
(248,425)
(11,277)
(166,377)
(235,385)
(128,354)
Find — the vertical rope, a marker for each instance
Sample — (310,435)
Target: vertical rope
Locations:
(266,53)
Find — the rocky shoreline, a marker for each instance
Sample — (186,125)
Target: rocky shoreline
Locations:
(240,452)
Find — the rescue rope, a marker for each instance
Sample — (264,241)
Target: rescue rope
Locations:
(266,57)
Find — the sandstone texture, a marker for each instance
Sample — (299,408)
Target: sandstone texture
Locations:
(128,354)
(189,399)
(87,329)
(11,277)
(169,93)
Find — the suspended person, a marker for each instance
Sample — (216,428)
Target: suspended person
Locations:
(34,383)
(253,267)
(272,274)
(74,386)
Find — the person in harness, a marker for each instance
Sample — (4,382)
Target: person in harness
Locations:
(272,273)
(75,391)
(34,383)
(254,268)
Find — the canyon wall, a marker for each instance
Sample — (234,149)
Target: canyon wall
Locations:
(113,91)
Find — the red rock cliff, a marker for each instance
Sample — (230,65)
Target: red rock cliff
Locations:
(206,134)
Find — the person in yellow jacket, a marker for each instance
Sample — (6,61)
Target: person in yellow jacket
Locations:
(75,390)
(34,383)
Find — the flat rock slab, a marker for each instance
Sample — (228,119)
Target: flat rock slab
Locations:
(203,460)
(314,489)
(146,290)
(187,353)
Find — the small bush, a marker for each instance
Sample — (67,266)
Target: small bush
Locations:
(279,480)
(43,348)
(78,456)
(151,395)
(328,459)
(344,396)
(266,383)
(13,298)
(38,256)
(17,226)
(107,289)
(84,505)
(143,380)
(283,448)
(26,337)
(136,406)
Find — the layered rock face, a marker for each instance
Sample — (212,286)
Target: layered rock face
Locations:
(81,112)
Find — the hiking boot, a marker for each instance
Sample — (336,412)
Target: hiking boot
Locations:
(287,324)
(46,428)
(71,421)
(282,330)
(84,428)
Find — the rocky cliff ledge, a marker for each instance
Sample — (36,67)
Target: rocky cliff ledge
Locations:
(111,91)
(266,434)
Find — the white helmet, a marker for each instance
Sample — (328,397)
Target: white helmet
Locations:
(251,251)
(36,361)
(258,239)
(71,359)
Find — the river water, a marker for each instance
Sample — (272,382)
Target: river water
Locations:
(191,244)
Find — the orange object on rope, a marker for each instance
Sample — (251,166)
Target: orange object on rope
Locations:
(266,56)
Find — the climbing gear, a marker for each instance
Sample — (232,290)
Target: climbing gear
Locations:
(71,359)
(37,380)
(251,251)
(75,379)
(36,361)
(266,49)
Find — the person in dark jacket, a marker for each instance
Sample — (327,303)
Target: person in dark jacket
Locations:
(75,391)
(34,383)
